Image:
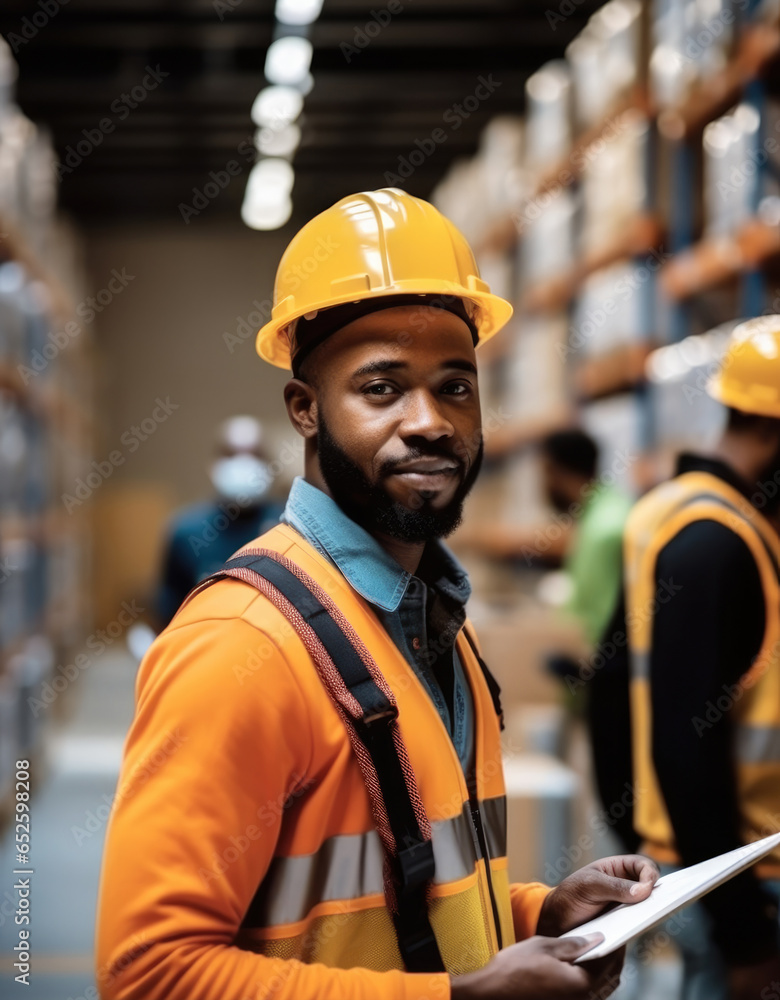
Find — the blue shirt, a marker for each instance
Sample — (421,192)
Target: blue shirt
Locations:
(422,614)
(201,539)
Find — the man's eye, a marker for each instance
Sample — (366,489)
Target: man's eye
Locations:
(457,388)
(379,389)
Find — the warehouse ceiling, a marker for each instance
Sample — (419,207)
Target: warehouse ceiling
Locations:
(190,70)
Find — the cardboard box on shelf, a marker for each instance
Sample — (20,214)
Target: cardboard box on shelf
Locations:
(534,379)
(616,181)
(129,531)
(549,123)
(540,792)
(605,60)
(618,423)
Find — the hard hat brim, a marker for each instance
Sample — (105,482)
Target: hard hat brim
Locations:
(745,402)
(493,314)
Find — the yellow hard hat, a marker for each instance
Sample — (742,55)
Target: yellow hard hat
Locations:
(374,244)
(749,378)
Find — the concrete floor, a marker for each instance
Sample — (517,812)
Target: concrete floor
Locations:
(67,828)
(67,831)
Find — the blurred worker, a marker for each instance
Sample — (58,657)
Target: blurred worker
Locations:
(593,563)
(202,537)
(593,558)
(586,532)
(587,535)
(311,802)
(703,621)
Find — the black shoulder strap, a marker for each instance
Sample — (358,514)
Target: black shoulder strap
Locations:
(414,862)
(492,683)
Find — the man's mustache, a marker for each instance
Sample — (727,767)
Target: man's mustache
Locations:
(389,467)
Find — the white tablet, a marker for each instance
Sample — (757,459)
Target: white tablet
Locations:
(670,894)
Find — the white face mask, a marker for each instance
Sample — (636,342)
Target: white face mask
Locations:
(242,479)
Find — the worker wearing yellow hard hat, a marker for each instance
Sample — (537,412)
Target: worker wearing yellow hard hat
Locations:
(330,819)
(702,615)
(749,378)
(368,247)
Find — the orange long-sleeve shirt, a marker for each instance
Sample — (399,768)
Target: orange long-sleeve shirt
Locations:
(237,771)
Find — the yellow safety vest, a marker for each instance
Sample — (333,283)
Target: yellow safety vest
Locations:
(753,704)
(252,843)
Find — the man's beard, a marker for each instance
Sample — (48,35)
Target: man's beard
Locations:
(371,507)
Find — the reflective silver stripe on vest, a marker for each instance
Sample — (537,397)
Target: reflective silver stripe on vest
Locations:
(757,744)
(494,816)
(453,848)
(345,867)
(639,664)
(350,867)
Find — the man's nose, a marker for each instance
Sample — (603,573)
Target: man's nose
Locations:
(424,417)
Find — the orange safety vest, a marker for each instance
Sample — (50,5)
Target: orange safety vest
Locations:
(241,853)
(753,704)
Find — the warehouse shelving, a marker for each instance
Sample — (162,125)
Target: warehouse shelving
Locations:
(667,220)
(641,234)
(758,47)
(46,430)
(718,260)
(515,435)
(617,371)
(569,167)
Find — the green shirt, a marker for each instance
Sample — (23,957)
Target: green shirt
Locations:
(595,560)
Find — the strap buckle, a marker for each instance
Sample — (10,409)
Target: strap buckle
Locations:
(384,714)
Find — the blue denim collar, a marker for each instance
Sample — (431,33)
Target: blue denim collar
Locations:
(368,568)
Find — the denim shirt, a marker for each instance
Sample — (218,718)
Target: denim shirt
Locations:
(422,614)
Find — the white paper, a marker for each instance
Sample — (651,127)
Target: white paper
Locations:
(670,894)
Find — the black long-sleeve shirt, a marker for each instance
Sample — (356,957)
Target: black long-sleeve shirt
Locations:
(704,640)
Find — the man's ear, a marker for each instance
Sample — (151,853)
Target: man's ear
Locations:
(301,401)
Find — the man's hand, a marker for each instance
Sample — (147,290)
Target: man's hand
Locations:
(589,891)
(755,982)
(541,968)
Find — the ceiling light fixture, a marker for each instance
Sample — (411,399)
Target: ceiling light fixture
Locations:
(288,60)
(298,11)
